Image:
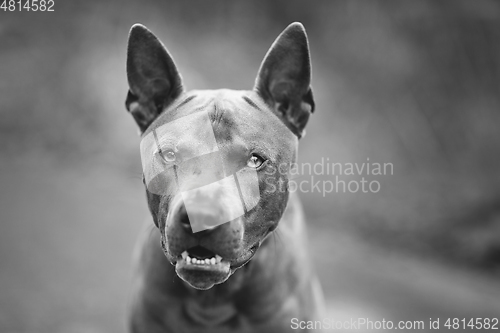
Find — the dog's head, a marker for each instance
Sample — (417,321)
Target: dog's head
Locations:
(215,162)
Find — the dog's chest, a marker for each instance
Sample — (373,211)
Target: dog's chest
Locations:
(210,316)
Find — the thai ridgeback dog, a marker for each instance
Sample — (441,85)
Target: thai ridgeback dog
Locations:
(227,250)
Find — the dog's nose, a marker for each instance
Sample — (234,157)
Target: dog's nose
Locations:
(206,216)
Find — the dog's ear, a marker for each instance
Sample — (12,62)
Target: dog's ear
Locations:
(285,76)
(153,79)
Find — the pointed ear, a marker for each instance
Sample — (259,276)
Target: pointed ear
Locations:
(284,78)
(153,79)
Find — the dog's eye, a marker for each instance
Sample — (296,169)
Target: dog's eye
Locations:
(255,161)
(168,155)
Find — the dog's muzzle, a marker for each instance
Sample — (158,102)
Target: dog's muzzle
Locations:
(181,159)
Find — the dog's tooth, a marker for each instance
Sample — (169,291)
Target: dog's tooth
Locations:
(218,258)
(207,261)
(188,259)
(195,261)
(212,261)
(184,254)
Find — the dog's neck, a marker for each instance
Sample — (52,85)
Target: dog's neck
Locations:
(215,306)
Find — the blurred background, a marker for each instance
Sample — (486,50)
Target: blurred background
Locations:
(415,84)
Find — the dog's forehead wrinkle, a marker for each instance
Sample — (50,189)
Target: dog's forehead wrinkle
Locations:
(226,108)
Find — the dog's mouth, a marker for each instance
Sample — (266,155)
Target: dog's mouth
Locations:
(202,268)
(200,256)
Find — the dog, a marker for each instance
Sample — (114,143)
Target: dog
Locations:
(227,251)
